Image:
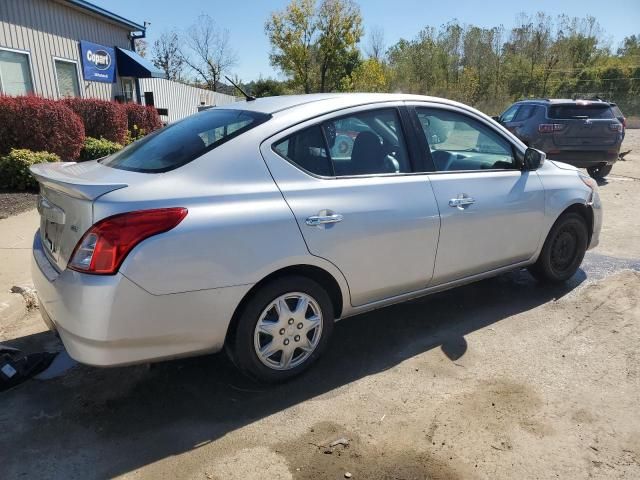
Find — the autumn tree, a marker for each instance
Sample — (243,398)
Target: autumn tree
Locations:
(369,76)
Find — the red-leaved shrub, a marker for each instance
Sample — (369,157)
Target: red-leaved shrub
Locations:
(101,119)
(39,124)
(141,119)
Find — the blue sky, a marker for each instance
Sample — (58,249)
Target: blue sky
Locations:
(398,18)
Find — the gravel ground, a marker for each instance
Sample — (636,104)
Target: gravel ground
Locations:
(12,203)
(496,380)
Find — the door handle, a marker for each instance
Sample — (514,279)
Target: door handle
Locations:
(316,220)
(461,201)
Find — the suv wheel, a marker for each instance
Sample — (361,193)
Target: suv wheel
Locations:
(282,329)
(563,250)
(599,171)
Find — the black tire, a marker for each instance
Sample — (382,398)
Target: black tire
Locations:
(241,347)
(563,250)
(599,171)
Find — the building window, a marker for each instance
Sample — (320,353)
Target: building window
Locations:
(67,75)
(15,73)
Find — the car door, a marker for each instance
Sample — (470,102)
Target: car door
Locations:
(347,178)
(491,211)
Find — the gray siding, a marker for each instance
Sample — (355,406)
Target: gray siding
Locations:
(181,100)
(48,29)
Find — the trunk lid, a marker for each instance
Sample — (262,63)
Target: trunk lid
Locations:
(65,203)
(585,125)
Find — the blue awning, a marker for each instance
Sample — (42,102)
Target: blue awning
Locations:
(130,64)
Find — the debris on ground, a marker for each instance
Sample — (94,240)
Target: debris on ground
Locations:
(29,295)
(341,441)
(17,367)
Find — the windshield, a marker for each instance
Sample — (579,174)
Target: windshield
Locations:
(580,111)
(184,141)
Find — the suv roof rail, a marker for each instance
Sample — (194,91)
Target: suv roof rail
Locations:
(589,97)
(533,99)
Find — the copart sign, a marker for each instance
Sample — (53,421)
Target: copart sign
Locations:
(98,62)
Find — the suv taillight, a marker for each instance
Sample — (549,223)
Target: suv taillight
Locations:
(550,127)
(616,127)
(103,248)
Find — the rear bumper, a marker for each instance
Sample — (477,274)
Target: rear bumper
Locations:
(584,158)
(109,320)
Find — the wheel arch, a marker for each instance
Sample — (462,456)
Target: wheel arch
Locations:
(318,274)
(585,211)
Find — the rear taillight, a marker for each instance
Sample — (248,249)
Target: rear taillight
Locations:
(102,249)
(550,127)
(617,127)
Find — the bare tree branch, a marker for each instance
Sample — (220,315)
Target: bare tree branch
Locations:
(208,51)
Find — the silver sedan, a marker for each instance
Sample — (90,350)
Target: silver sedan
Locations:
(256,226)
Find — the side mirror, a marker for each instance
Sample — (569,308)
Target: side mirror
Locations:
(533,159)
(496,118)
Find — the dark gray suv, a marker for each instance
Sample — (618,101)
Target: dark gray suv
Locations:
(583,133)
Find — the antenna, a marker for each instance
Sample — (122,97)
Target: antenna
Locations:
(248,97)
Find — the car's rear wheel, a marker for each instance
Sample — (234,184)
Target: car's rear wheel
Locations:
(282,329)
(563,250)
(599,171)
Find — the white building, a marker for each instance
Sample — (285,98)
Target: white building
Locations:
(63,48)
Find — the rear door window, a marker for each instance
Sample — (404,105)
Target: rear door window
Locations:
(184,141)
(570,112)
(363,143)
(307,149)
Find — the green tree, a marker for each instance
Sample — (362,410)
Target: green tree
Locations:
(340,29)
(292,34)
(267,87)
(316,47)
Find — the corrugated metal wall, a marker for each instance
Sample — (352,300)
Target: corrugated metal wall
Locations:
(180,100)
(49,29)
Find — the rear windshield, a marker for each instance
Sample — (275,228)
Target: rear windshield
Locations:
(580,111)
(616,111)
(181,142)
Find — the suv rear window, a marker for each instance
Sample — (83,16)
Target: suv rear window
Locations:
(572,111)
(184,141)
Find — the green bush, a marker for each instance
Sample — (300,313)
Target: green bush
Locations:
(95,148)
(14,168)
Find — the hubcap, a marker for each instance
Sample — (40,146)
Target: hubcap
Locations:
(288,331)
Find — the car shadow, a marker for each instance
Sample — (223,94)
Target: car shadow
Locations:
(117,420)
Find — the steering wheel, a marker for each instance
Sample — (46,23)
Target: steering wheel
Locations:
(442,159)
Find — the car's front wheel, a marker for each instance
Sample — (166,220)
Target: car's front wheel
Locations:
(599,171)
(563,250)
(282,329)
